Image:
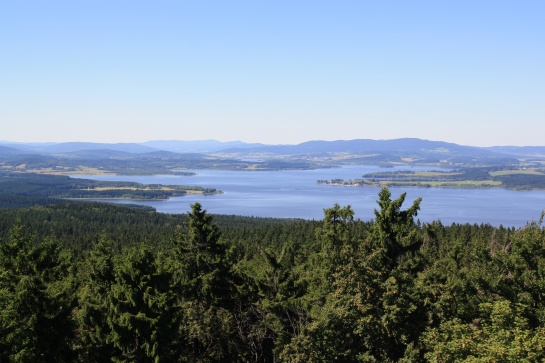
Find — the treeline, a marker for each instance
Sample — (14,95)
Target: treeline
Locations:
(521,181)
(97,282)
(9,201)
(76,226)
(23,186)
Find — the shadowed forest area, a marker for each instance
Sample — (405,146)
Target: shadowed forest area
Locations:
(95,282)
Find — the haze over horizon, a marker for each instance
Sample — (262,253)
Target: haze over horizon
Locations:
(205,141)
(470,73)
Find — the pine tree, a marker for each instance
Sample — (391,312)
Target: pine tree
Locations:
(141,313)
(394,231)
(371,313)
(207,290)
(36,300)
(94,300)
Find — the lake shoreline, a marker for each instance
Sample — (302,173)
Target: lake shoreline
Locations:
(295,194)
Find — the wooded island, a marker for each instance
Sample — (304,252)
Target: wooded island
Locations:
(473,178)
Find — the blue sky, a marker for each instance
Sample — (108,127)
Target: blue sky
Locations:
(469,72)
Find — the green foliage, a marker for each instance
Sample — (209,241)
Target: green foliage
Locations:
(371,312)
(207,291)
(141,312)
(36,296)
(500,334)
(96,282)
(204,271)
(21,188)
(394,231)
(126,310)
(335,233)
(92,312)
(521,265)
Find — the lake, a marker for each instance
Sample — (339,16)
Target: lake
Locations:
(296,194)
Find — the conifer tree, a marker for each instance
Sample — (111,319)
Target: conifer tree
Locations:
(394,230)
(141,312)
(94,299)
(207,290)
(335,234)
(371,313)
(36,300)
(522,270)
(499,334)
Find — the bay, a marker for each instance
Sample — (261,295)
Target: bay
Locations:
(296,194)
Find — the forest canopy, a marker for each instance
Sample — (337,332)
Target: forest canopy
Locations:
(95,282)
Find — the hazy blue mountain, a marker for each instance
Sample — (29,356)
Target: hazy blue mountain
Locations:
(175,146)
(380,150)
(121,155)
(25,145)
(169,155)
(365,146)
(94,154)
(199,146)
(68,147)
(10,151)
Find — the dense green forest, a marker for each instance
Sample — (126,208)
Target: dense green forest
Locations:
(95,282)
(27,189)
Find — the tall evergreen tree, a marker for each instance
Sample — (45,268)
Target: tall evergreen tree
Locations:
(522,270)
(371,314)
(126,307)
(394,231)
(94,295)
(141,312)
(207,290)
(36,300)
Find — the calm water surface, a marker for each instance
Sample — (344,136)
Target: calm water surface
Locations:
(295,194)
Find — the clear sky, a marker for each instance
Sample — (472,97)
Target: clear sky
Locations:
(275,71)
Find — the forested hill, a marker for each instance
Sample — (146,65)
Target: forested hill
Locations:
(403,146)
(360,146)
(99,282)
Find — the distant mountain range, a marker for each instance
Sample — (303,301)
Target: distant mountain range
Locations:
(67,147)
(363,147)
(198,146)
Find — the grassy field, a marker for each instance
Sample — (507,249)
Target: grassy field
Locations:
(466,184)
(59,170)
(165,188)
(162,188)
(513,172)
(426,174)
(441,184)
